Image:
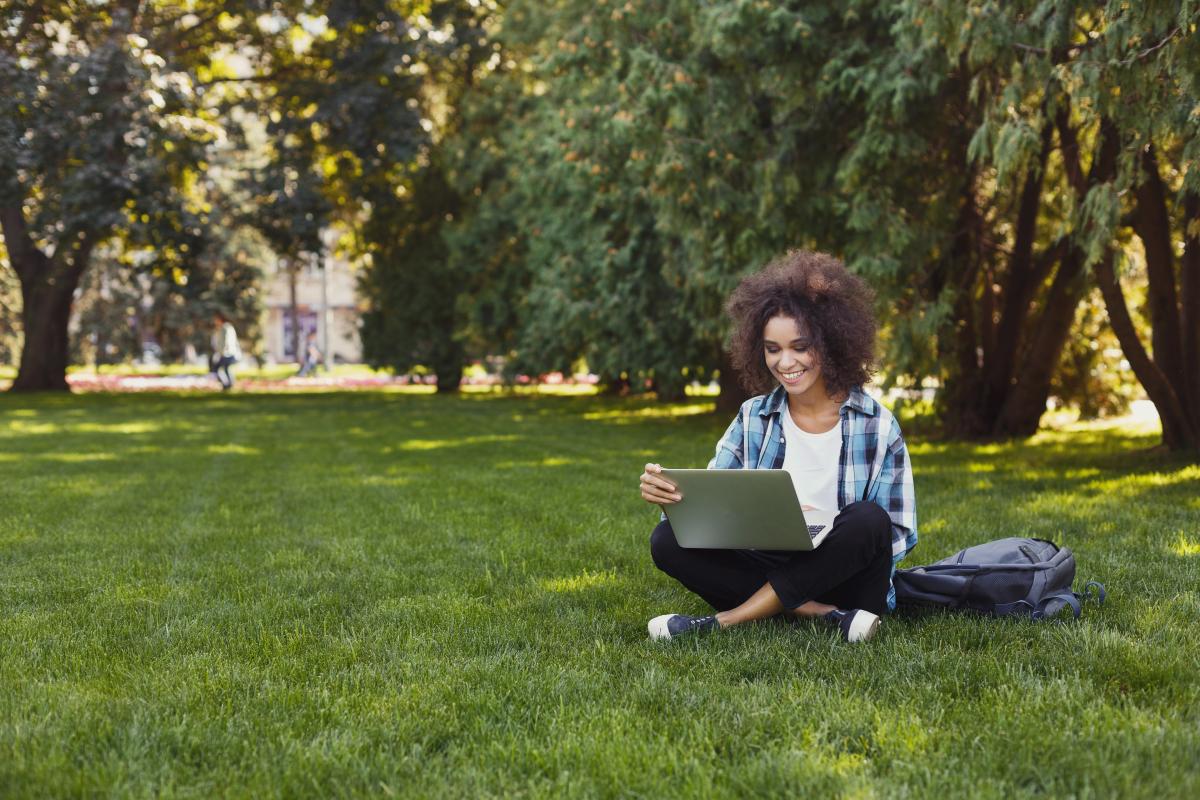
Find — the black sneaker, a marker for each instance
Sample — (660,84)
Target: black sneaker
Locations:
(856,625)
(668,626)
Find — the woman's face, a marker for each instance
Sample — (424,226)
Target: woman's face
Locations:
(789,353)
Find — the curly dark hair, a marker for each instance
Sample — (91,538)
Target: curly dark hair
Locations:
(817,291)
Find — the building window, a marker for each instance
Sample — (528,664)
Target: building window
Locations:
(308,324)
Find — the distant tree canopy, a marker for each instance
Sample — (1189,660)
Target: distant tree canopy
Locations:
(566,179)
(109,115)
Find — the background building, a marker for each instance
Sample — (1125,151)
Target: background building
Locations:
(333,290)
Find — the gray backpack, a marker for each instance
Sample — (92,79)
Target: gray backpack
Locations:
(1008,577)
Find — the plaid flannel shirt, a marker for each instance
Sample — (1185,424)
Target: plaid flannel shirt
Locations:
(873,464)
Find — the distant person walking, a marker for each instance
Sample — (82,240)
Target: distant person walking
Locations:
(225,350)
(312,356)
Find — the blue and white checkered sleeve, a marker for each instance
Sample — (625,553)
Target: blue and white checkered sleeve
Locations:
(729,450)
(896,495)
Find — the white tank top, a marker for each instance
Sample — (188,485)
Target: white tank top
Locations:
(811,459)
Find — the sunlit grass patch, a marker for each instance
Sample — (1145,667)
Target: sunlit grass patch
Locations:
(584,580)
(33,428)
(440,444)
(1186,546)
(649,412)
(233,450)
(548,461)
(77,458)
(1188,477)
(139,426)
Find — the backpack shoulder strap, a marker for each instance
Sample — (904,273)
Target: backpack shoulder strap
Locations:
(1093,590)
(1049,606)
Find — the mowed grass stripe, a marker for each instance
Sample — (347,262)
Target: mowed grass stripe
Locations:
(360,593)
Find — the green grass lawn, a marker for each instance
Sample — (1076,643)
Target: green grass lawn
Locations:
(395,594)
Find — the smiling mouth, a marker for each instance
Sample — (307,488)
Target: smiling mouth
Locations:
(791,376)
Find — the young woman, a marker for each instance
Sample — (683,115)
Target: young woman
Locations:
(803,336)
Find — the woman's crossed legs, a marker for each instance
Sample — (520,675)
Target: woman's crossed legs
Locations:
(849,572)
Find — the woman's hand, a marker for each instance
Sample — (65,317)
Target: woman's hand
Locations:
(657,489)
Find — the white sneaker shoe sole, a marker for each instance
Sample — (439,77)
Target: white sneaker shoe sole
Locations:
(863,626)
(658,627)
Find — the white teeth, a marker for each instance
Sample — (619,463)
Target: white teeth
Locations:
(791,376)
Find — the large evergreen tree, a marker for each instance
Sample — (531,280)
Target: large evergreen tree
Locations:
(654,154)
(1083,135)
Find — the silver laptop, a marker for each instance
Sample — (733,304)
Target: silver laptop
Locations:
(742,509)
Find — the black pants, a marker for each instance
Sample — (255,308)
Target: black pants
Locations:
(224,363)
(850,569)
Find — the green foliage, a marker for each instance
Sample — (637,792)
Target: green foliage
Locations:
(120,306)
(621,166)
(412,287)
(108,114)
(105,312)
(649,155)
(1027,123)
(1092,375)
(351,95)
(101,123)
(556,181)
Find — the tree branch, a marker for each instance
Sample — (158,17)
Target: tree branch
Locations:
(1151,50)
(82,256)
(33,13)
(1176,424)
(183,38)
(1068,142)
(1044,261)
(1153,226)
(1069,52)
(22,252)
(1190,302)
(1019,286)
(1028,48)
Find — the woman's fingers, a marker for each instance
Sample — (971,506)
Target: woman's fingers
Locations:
(662,484)
(656,489)
(660,498)
(660,491)
(653,475)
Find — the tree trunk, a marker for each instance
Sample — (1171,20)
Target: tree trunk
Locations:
(957,399)
(732,394)
(448,366)
(294,308)
(612,384)
(47,291)
(1189,290)
(1019,289)
(1026,402)
(670,391)
(449,378)
(1180,429)
(44,316)
(1153,225)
